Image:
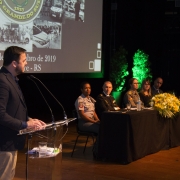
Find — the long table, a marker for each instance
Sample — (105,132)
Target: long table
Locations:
(174,132)
(126,137)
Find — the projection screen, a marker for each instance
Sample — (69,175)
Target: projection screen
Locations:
(60,36)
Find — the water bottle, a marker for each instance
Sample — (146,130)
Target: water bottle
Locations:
(139,105)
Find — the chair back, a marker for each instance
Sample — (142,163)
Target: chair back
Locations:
(81,133)
(75,115)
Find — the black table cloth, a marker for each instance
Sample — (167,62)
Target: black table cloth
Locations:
(174,132)
(125,137)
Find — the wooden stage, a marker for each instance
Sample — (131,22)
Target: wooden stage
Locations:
(163,165)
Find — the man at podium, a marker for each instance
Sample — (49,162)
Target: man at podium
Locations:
(13,111)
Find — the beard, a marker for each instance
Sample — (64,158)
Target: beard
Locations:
(18,70)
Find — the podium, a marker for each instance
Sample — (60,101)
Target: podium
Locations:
(48,166)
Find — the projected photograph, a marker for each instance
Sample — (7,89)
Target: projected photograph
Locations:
(48,23)
(12,34)
(66,9)
(60,10)
(47,34)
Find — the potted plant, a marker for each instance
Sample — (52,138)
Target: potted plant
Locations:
(141,69)
(118,72)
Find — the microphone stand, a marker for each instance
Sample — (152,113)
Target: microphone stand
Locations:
(52,116)
(65,116)
(29,137)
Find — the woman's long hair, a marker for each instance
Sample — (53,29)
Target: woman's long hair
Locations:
(142,86)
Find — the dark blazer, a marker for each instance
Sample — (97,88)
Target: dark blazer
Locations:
(104,103)
(155,91)
(13,112)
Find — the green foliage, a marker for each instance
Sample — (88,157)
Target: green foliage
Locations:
(141,69)
(118,69)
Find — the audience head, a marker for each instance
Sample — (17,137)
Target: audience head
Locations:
(85,88)
(158,82)
(107,87)
(146,86)
(133,83)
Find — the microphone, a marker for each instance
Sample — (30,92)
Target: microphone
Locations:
(64,113)
(52,116)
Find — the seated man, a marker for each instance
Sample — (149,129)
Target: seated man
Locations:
(104,101)
(156,87)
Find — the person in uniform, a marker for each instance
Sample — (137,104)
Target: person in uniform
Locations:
(156,87)
(87,117)
(132,95)
(104,101)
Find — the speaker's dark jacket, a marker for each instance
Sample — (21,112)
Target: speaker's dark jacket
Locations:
(13,112)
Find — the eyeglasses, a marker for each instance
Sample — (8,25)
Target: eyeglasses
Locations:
(135,83)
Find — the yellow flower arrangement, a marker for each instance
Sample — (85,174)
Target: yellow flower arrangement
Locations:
(166,104)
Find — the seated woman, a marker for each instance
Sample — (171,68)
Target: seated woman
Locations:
(88,119)
(145,93)
(132,95)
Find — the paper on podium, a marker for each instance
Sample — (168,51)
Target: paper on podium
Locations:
(51,152)
(48,126)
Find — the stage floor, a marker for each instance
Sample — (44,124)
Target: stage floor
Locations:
(163,165)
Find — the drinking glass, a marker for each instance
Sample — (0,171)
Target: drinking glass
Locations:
(151,103)
(42,149)
(128,106)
